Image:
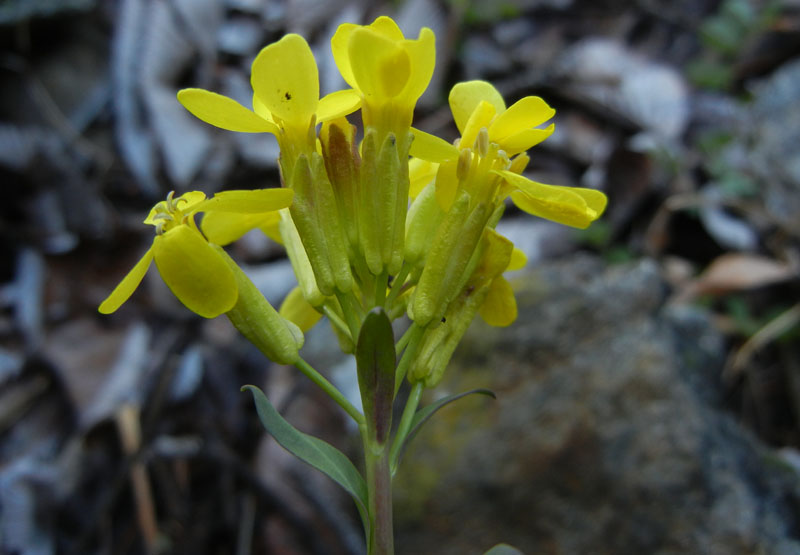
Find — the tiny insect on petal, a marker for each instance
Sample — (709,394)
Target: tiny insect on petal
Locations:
(285,78)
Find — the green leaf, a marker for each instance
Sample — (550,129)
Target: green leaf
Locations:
(375,360)
(424,414)
(321,455)
(503,549)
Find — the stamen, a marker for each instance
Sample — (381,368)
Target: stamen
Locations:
(482,142)
(164,216)
(464,162)
(170,202)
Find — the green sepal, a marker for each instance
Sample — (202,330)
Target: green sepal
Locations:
(342,162)
(330,223)
(424,218)
(256,319)
(503,549)
(299,258)
(386,188)
(427,293)
(321,455)
(305,219)
(376,362)
(425,414)
(368,212)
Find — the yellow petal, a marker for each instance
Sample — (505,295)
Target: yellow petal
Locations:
(380,66)
(465,97)
(446,184)
(387,27)
(338,104)
(573,206)
(526,113)
(594,199)
(271,227)
(525,139)
(518,260)
(223,228)
(339,47)
(184,203)
(247,202)
(422,55)
(285,78)
(260,109)
(481,117)
(128,285)
(431,148)
(195,272)
(496,255)
(223,112)
(420,174)
(499,309)
(298,310)
(558,206)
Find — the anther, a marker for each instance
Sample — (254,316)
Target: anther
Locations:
(482,142)
(464,162)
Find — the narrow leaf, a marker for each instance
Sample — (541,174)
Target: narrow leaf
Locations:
(321,455)
(375,360)
(503,549)
(424,414)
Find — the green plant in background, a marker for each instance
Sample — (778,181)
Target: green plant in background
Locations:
(725,35)
(398,225)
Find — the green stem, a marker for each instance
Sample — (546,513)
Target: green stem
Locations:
(403,341)
(335,319)
(405,425)
(351,313)
(415,334)
(379,488)
(330,389)
(380,288)
(397,286)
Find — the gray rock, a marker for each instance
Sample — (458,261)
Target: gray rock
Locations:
(776,121)
(483,58)
(606,436)
(653,96)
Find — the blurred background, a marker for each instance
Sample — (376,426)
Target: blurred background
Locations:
(648,395)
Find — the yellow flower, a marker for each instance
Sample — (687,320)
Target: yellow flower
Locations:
(477,104)
(390,71)
(286,99)
(499,308)
(195,272)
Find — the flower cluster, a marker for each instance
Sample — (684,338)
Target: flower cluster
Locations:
(398,219)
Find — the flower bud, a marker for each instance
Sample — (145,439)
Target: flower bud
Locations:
(423,219)
(256,319)
(299,259)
